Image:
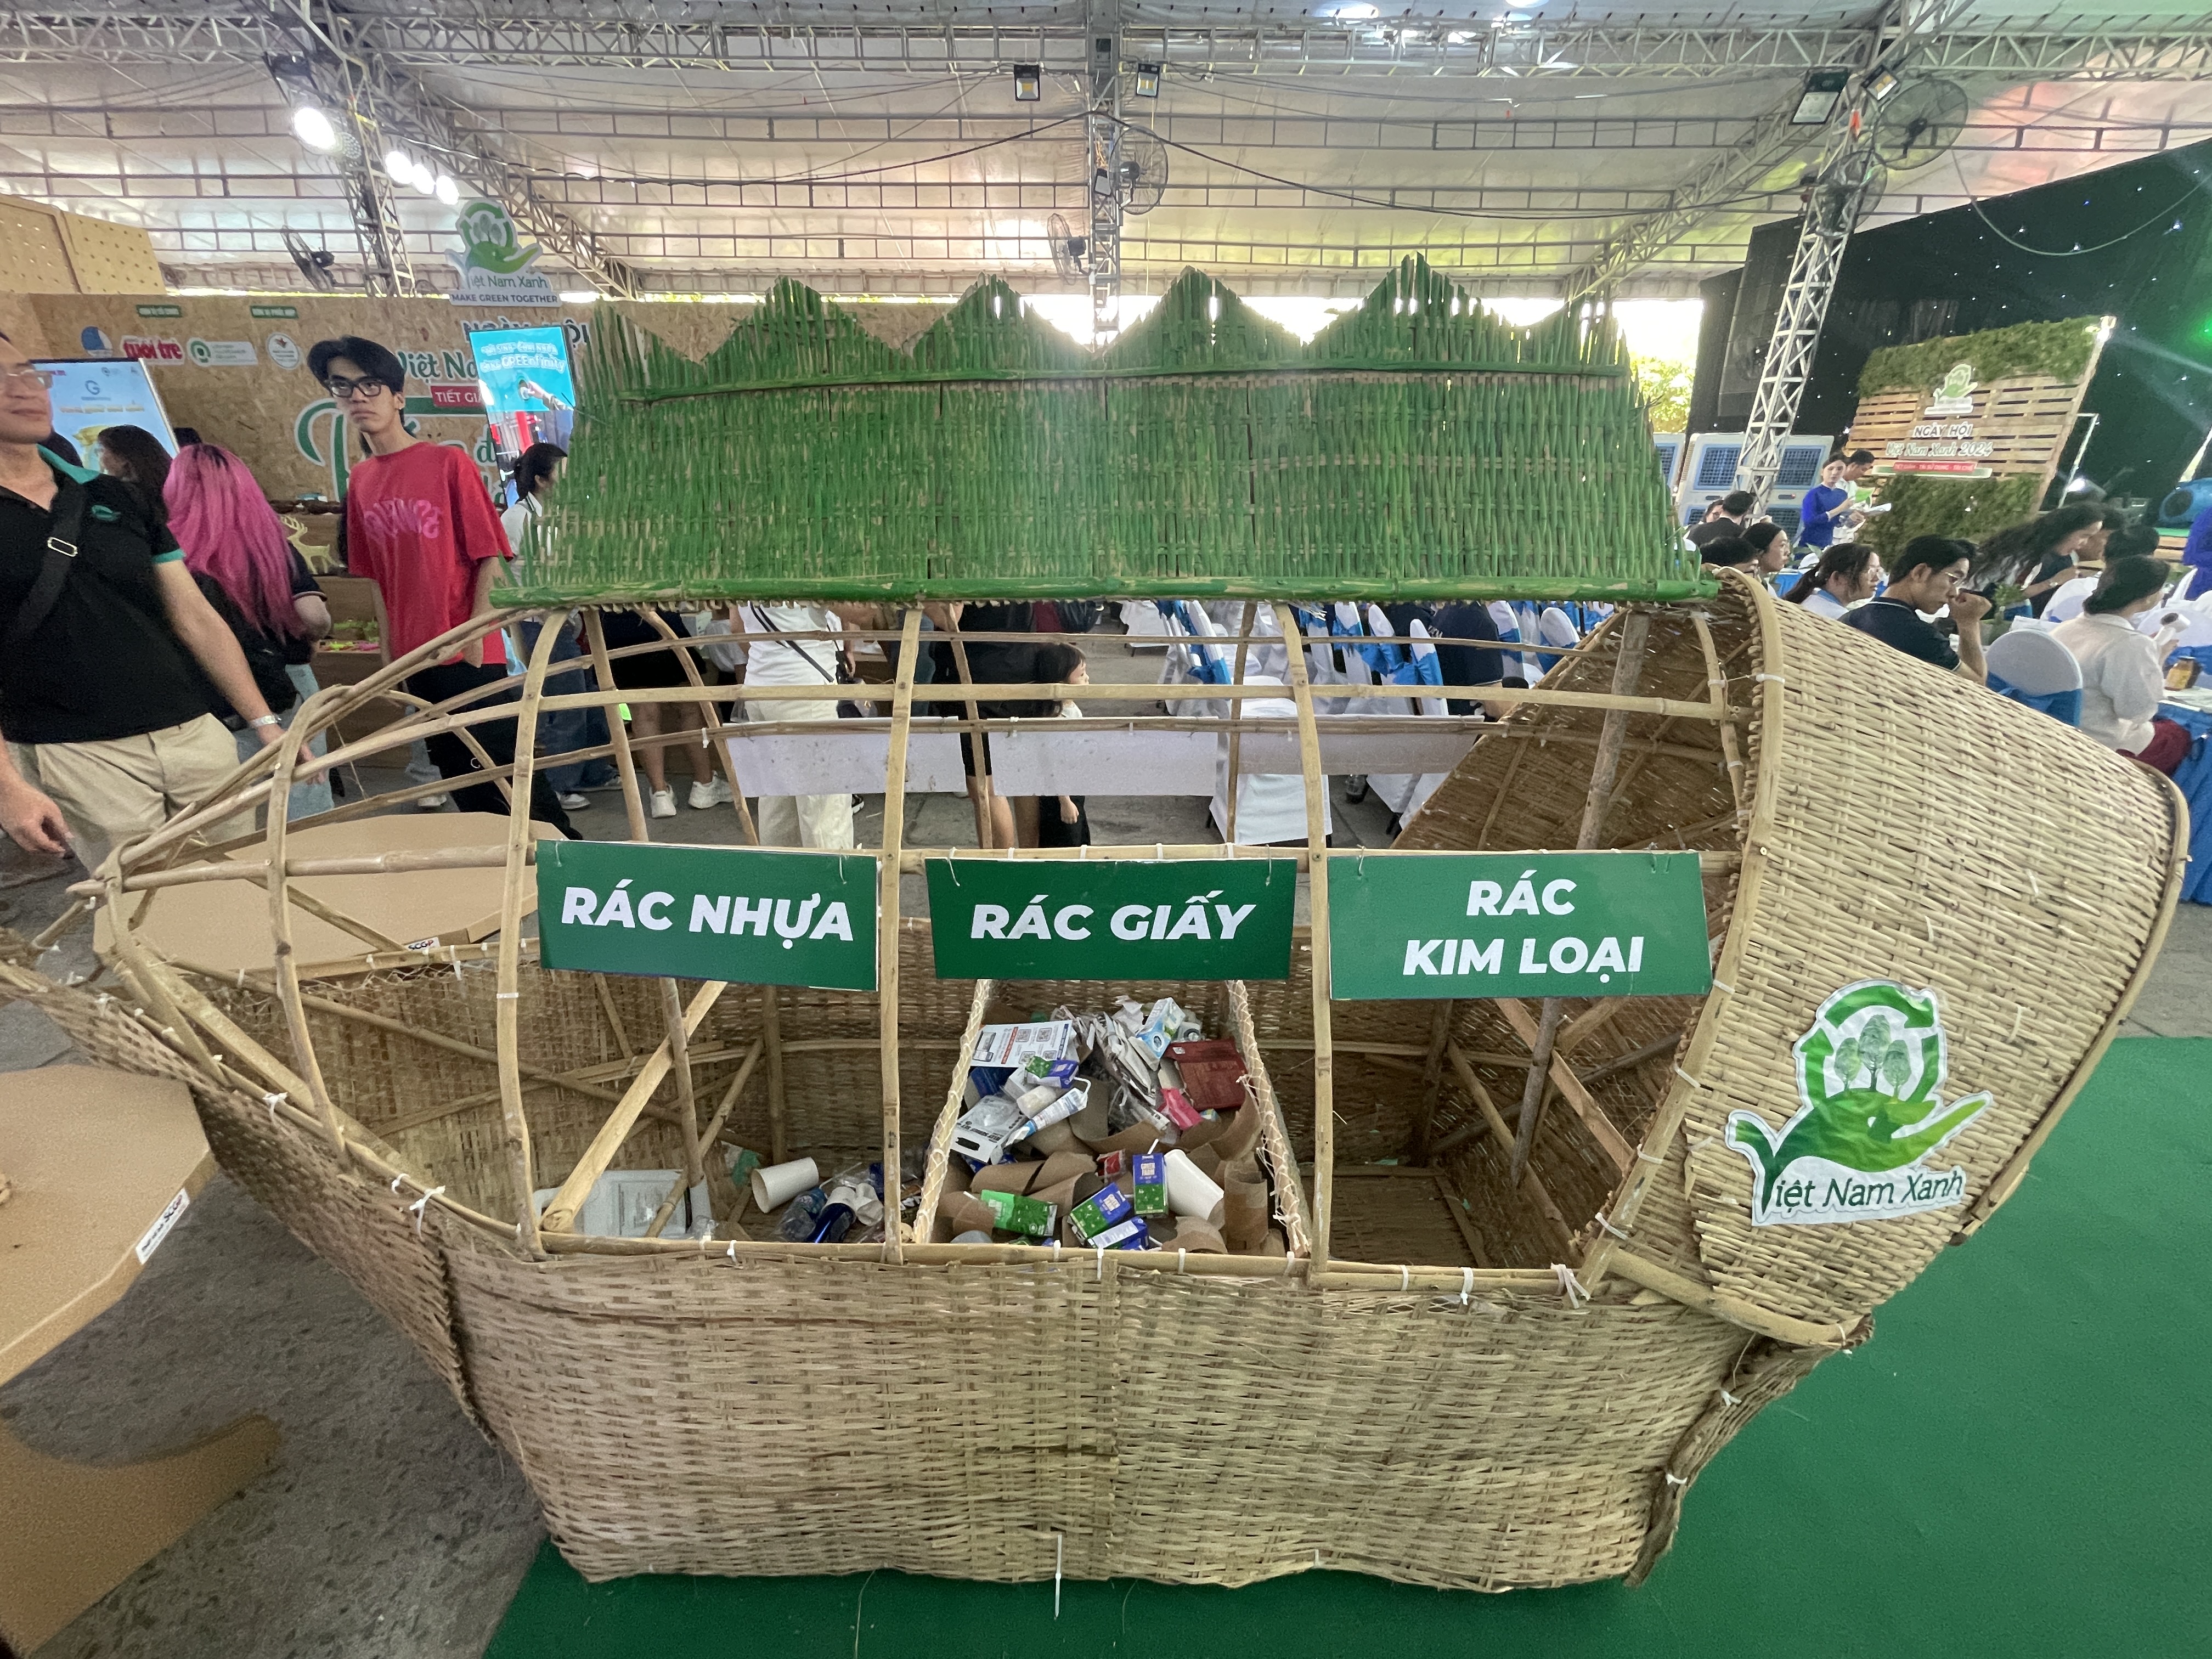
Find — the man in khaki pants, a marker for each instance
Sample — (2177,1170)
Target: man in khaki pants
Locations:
(111,661)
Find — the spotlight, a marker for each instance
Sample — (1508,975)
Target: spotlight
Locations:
(1824,90)
(446,191)
(400,167)
(313,128)
(579,296)
(424,180)
(1880,84)
(1148,80)
(1029,82)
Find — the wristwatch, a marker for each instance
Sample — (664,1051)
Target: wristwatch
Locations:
(267,720)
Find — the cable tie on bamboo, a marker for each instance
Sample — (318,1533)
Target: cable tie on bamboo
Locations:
(1405,1279)
(272,1101)
(1466,1287)
(1688,1078)
(1182,1259)
(1705,1140)
(396,1179)
(503,996)
(1768,679)
(1642,1156)
(1722,986)
(1728,1398)
(1674,1479)
(422,1204)
(1101,1249)
(1607,1226)
(1570,1286)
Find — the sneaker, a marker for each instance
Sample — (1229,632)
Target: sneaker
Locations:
(573,801)
(712,792)
(663,803)
(433,803)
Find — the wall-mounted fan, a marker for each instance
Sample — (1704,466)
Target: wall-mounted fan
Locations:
(1140,169)
(1918,123)
(314,264)
(1067,249)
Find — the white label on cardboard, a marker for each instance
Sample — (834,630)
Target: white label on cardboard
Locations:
(150,1240)
(221,353)
(284,350)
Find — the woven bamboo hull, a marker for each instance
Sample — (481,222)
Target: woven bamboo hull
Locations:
(1466,1427)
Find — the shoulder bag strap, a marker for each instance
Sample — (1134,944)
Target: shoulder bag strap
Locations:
(798,647)
(61,552)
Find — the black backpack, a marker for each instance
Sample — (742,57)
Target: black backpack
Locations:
(270,676)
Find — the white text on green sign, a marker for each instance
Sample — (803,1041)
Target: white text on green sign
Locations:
(1513,925)
(737,914)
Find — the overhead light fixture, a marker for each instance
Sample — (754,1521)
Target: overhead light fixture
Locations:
(1816,104)
(1148,80)
(313,128)
(1880,84)
(446,191)
(424,180)
(400,167)
(579,296)
(1029,82)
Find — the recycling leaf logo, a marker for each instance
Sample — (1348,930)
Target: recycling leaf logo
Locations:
(1870,1075)
(488,241)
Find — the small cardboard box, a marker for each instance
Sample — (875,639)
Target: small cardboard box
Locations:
(1001,1049)
(1018,1214)
(1149,1171)
(1100,1213)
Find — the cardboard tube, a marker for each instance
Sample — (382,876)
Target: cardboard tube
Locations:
(779,1183)
(1239,1135)
(1191,1191)
(1245,1215)
(1198,1238)
(1207,1163)
(963,1214)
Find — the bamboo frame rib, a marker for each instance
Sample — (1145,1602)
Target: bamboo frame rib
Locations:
(285,959)
(887,928)
(1324,1073)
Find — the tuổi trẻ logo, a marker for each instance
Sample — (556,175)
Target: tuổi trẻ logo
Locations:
(1870,1075)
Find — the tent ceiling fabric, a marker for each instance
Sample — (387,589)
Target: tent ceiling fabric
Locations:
(879,148)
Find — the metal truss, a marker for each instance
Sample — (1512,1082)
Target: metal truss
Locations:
(1101,140)
(541,35)
(394,105)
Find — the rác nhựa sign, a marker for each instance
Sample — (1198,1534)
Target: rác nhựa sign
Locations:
(1196,919)
(727,912)
(1517,925)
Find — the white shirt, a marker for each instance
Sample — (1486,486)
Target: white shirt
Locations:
(1822,602)
(2121,681)
(772,661)
(518,519)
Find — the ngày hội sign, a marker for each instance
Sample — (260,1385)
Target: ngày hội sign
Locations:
(1196,919)
(728,913)
(1517,925)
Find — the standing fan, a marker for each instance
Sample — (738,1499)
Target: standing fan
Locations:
(314,264)
(1067,249)
(1140,169)
(1920,122)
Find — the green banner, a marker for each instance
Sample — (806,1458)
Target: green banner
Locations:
(1517,925)
(1196,919)
(727,912)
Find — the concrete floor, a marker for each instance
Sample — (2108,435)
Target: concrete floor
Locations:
(387,1525)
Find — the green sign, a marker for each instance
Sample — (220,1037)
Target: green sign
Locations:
(725,913)
(280,312)
(161,311)
(1201,919)
(1517,925)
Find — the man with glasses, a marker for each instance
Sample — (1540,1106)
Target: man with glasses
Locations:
(419,524)
(111,659)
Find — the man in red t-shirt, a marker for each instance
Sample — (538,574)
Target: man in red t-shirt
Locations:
(420,525)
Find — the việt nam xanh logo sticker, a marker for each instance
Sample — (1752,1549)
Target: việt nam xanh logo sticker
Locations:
(1870,1075)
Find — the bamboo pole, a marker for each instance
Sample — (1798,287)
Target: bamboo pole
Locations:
(778,1120)
(507,1020)
(453,1045)
(1635,628)
(561,1214)
(1717,683)
(285,961)
(887,927)
(728,1102)
(986,835)
(710,721)
(937,1165)
(1236,734)
(1562,1235)
(1432,1079)
(1324,1079)
(1609,1139)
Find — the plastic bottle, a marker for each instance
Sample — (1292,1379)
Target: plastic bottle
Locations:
(802,1215)
(836,1221)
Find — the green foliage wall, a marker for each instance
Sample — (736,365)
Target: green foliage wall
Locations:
(2060,349)
(1970,508)
(1416,445)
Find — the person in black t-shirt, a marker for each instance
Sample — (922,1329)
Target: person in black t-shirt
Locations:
(1468,665)
(1926,577)
(107,681)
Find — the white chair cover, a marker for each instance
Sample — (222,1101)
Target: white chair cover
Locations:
(2034,662)
(1271,806)
(2066,603)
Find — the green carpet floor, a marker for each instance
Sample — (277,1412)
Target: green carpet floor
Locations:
(2019,1464)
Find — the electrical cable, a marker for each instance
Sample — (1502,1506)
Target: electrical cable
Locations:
(2071,252)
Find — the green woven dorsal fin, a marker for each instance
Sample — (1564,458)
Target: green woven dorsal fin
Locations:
(1416,314)
(1199,324)
(992,331)
(1567,337)
(798,335)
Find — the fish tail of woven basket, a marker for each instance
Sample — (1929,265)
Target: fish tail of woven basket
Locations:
(1493,1384)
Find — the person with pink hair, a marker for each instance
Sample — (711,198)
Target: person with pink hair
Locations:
(235,545)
